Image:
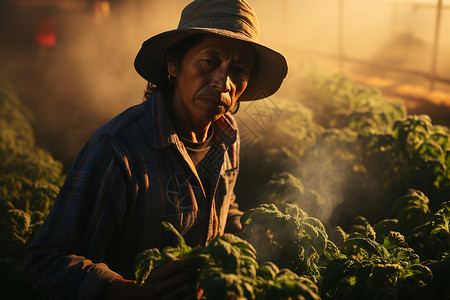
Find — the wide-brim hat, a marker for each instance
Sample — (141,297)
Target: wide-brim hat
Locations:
(233,19)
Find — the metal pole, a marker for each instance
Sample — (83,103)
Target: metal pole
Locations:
(285,23)
(436,43)
(394,19)
(341,34)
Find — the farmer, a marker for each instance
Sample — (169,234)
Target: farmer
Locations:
(174,157)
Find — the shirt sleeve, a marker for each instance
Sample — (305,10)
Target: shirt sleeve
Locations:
(65,259)
(234,216)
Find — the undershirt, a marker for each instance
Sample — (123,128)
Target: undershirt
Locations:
(198,151)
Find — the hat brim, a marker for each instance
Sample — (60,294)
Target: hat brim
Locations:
(269,70)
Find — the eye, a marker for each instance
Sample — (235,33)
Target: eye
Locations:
(242,72)
(208,63)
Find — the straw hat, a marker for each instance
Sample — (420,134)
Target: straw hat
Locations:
(233,19)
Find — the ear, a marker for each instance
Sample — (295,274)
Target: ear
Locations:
(171,66)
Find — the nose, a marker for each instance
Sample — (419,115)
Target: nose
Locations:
(221,81)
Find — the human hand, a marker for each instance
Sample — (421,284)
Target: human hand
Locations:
(175,280)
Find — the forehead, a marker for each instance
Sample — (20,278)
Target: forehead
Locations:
(225,47)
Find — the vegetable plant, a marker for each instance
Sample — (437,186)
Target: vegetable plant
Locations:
(30,179)
(230,270)
(368,269)
(290,239)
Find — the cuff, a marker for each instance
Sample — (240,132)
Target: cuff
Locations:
(234,223)
(98,277)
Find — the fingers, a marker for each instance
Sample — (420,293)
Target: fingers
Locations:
(175,280)
(181,286)
(186,291)
(176,266)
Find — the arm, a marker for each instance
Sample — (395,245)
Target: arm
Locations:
(234,214)
(64,260)
(175,280)
(234,217)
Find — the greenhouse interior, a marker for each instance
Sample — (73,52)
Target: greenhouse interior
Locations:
(344,172)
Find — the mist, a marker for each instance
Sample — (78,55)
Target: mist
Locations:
(88,77)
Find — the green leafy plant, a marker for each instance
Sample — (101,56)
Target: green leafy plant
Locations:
(339,102)
(441,274)
(370,270)
(412,210)
(230,270)
(432,239)
(290,239)
(30,179)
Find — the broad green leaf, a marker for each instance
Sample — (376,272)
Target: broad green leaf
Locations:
(372,247)
(144,263)
(169,227)
(393,240)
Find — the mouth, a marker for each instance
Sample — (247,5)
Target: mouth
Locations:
(214,102)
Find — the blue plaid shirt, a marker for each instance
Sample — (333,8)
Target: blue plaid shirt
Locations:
(131,175)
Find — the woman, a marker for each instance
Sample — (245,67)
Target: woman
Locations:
(174,157)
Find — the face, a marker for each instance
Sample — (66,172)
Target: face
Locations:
(210,78)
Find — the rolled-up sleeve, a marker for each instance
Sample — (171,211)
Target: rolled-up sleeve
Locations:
(65,259)
(234,216)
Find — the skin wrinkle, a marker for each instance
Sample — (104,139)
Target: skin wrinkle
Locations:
(210,79)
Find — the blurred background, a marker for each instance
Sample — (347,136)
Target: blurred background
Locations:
(347,137)
(72,60)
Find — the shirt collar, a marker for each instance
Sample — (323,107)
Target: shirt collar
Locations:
(162,133)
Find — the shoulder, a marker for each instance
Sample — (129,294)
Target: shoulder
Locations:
(120,136)
(123,121)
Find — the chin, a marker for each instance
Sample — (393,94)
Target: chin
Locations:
(213,115)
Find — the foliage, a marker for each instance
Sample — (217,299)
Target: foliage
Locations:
(360,145)
(364,156)
(230,270)
(432,239)
(441,274)
(339,102)
(286,188)
(414,154)
(368,262)
(411,210)
(370,270)
(16,134)
(290,239)
(273,148)
(29,181)
(337,150)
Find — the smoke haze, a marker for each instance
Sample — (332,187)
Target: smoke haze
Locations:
(88,76)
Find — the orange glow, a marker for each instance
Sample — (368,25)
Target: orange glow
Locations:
(102,10)
(46,31)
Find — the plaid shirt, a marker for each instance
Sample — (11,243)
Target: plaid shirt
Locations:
(131,175)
